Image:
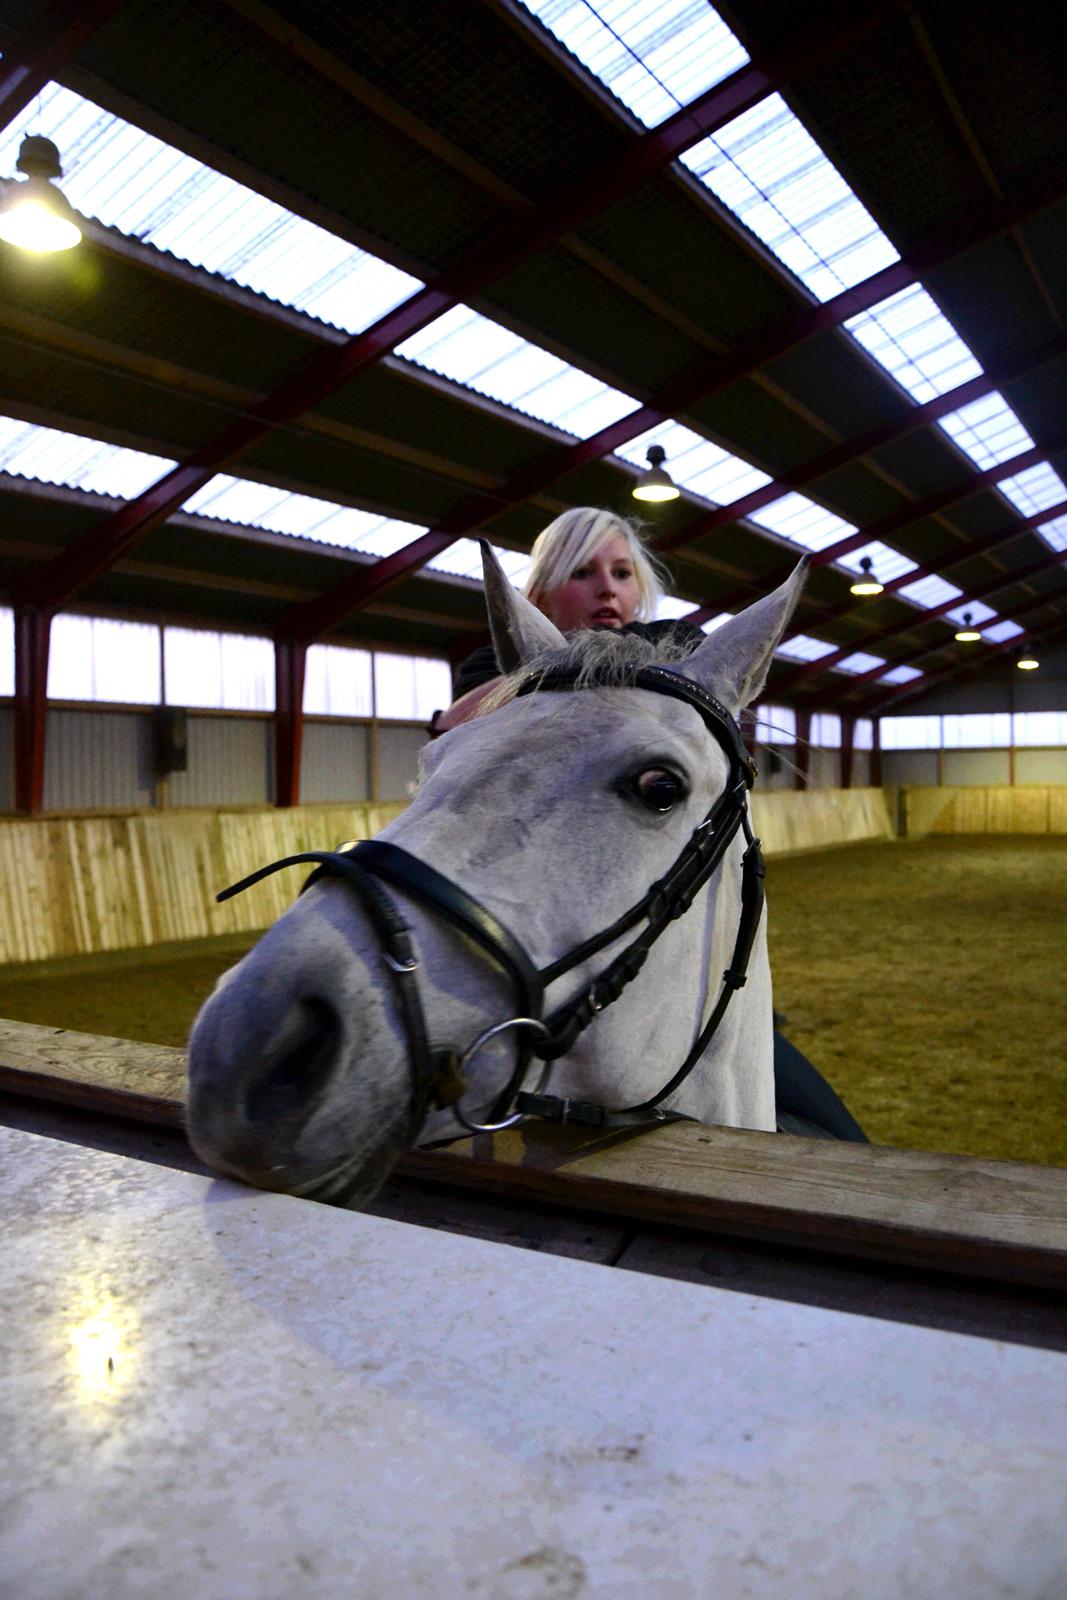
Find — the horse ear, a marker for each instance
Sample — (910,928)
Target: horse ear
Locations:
(519,630)
(733,662)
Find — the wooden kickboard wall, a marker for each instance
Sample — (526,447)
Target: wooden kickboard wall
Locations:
(1024,808)
(83,885)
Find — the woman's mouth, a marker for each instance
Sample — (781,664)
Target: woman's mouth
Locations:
(606,617)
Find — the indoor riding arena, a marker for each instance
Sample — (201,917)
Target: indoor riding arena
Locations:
(560,506)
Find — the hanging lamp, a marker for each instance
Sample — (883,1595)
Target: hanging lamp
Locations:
(35,214)
(655,484)
(866,583)
(1026,661)
(965,634)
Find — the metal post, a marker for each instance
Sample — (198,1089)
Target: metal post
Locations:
(803,750)
(290,659)
(33,629)
(848,741)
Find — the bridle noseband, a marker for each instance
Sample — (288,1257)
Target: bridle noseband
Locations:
(440,1076)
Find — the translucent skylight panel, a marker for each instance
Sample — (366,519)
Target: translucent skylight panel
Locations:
(1055,533)
(472,350)
(464,560)
(653,55)
(886,563)
(257,505)
(134,182)
(49,455)
(670,607)
(803,648)
(909,337)
(860,661)
(900,675)
(1001,631)
(930,591)
(1035,489)
(975,609)
(768,170)
(988,431)
(800,520)
(696,464)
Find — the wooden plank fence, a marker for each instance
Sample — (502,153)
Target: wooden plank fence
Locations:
(1005,1221)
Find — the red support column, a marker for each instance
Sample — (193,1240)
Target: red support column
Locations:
(33,628)
(803,750)
(289,663)
(848,742)
(876,754)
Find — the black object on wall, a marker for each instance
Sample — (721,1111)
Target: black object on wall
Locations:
(170,729)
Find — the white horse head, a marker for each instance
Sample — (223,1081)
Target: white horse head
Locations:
(556,811)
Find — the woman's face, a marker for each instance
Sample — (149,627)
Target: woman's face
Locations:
(601,593)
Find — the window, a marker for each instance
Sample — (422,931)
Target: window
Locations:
(218,671)
(863,734)
(338,681)
(976,731)
(776,725)
(410,688)
(826,730)
(97,658)
(1041,727)
(7,650)
(910,733)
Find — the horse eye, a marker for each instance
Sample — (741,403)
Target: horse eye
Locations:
(658,789)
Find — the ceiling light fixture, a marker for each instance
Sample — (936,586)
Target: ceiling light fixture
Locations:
(965,634)
(35,214)
(1027,661)
(867,583)
(655,484)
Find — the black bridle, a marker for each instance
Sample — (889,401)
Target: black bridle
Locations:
(441,1075)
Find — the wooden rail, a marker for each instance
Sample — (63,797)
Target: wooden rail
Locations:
(1005,1221)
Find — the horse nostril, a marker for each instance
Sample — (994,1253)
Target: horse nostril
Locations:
(291,1084)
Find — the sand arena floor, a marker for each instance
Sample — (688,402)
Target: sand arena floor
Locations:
(924,978)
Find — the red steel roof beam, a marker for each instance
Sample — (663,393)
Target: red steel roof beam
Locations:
(851,450)
(46,49)
(959,553)
(1002,580)
(513,242)
(872,706)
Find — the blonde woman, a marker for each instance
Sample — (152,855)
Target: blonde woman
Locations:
(589,569)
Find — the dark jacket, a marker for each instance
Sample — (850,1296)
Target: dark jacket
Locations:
(481,667)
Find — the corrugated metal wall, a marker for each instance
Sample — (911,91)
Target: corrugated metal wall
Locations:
(398,759)
(7,758)
(98,760)
(335,763)
(230,761)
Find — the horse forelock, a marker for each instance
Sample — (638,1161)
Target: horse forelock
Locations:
(598,659)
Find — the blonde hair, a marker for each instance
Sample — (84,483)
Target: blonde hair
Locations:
(576,535)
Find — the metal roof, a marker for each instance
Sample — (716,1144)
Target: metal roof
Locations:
(361,286)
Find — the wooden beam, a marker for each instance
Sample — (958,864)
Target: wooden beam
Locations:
(46,49)
(1006,1221)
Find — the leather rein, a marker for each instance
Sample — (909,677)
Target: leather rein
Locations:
(440,1076)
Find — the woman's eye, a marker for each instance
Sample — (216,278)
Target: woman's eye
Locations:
(658,789)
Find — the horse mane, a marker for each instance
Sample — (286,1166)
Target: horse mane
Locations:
(600,659)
